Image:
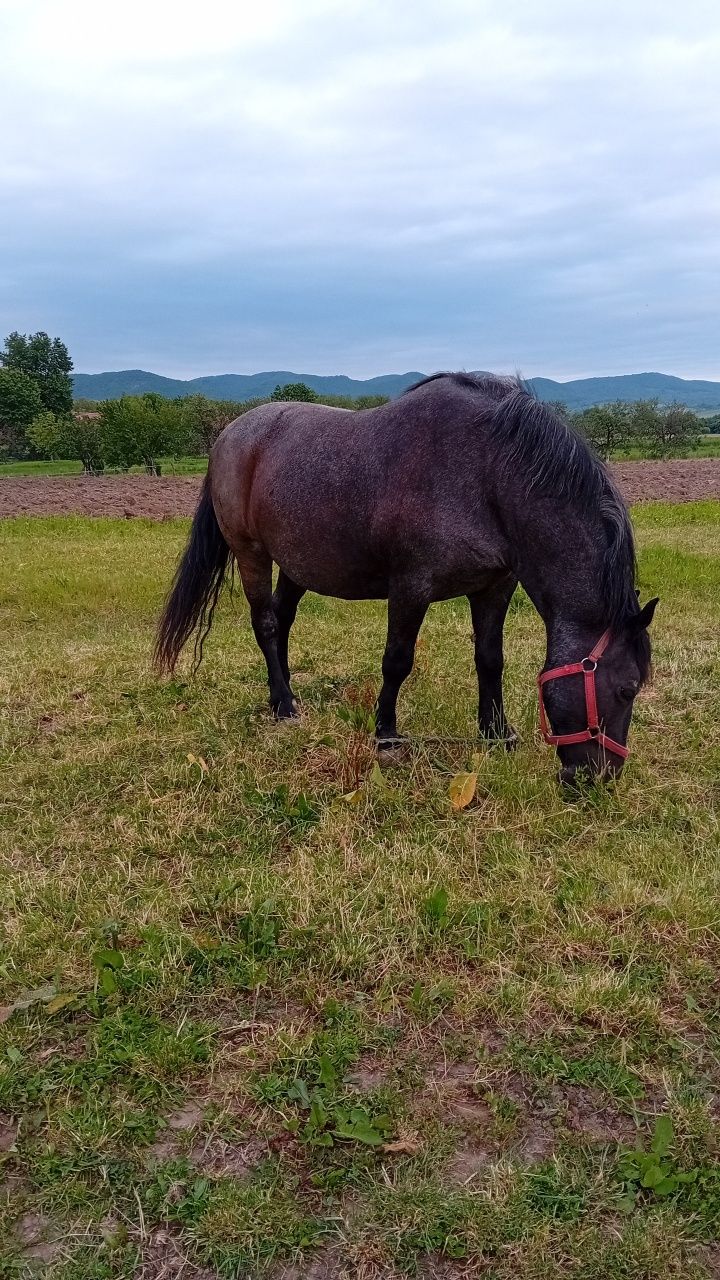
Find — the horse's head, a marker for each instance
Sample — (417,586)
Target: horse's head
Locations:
(586,703)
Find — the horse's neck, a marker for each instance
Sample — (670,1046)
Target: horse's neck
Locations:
(560,564)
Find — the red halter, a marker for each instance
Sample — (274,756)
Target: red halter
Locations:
(593,733)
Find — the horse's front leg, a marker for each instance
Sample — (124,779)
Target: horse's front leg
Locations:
(488,609)
(406,611)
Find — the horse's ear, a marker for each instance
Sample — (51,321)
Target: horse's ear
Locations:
(643,619)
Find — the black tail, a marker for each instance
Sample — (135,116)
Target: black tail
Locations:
(196,587)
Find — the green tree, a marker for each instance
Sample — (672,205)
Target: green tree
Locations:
(608,427)
(20,403)
(47,361)
(204,419)
(370,402)
(295,391)
(665,430)
(45,435)
(81,437)
(560,409)
(142,429)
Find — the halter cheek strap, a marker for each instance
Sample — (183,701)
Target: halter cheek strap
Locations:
(593,733)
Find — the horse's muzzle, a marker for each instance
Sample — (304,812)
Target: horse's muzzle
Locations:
(573,778)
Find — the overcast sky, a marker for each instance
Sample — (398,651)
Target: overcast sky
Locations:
(348,186)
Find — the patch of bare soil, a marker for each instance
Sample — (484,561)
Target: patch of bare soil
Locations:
(367,1074)
(163,1257)
(38,1237)
(207,1152)
(323,1265)
(709,1256)
(438,1268)
(8,1131)
(450,1094)
(162,497)
(589,1115)
(678,480)
(221,1159)
(158,497)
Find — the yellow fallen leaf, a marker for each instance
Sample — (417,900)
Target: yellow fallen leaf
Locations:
(408,1146)
(352,797)
(462,789)
(201,763)
(377,777)
(59,1002)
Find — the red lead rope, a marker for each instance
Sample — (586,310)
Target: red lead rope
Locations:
(593,733)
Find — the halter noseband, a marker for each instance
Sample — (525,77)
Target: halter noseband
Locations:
(587,668)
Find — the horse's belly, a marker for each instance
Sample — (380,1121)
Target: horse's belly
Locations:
(340,581)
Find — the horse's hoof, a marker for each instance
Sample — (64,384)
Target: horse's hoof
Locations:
(287,711)
(391,750)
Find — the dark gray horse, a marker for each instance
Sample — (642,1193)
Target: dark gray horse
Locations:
(465,485)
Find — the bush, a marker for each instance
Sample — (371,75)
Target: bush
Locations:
(81,437)
(295,391)
(204,419)
(664,431)
(608,427)
(45,435)
(141,429)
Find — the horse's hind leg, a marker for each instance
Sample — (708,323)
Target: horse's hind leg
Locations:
(488,609)
(255,566)
(285,602)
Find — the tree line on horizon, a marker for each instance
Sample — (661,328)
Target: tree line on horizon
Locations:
(40,420)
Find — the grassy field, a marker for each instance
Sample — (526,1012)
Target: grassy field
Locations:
(63,467)
(266,1010)
(709,447)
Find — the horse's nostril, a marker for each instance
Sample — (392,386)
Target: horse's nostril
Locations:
(567,777)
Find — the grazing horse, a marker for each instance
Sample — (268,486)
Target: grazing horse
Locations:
(464,485)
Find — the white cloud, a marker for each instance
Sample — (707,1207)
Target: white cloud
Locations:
(474,183)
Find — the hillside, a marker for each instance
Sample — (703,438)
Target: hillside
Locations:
(582,392)
(234,386)
(579,393)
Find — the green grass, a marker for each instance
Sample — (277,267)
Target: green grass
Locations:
(266,1019)
(68,467)
(708,447)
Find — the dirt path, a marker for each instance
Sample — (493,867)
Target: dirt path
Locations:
(166,496)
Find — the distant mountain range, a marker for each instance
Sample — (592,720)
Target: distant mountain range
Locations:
(579,393)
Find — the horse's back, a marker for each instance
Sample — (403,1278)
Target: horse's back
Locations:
(344,500)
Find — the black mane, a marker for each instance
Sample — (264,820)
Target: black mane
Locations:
(488,384)
(556,461)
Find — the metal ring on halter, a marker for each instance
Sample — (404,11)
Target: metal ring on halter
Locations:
(593,665)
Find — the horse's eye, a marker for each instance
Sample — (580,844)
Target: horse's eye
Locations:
(628,691)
